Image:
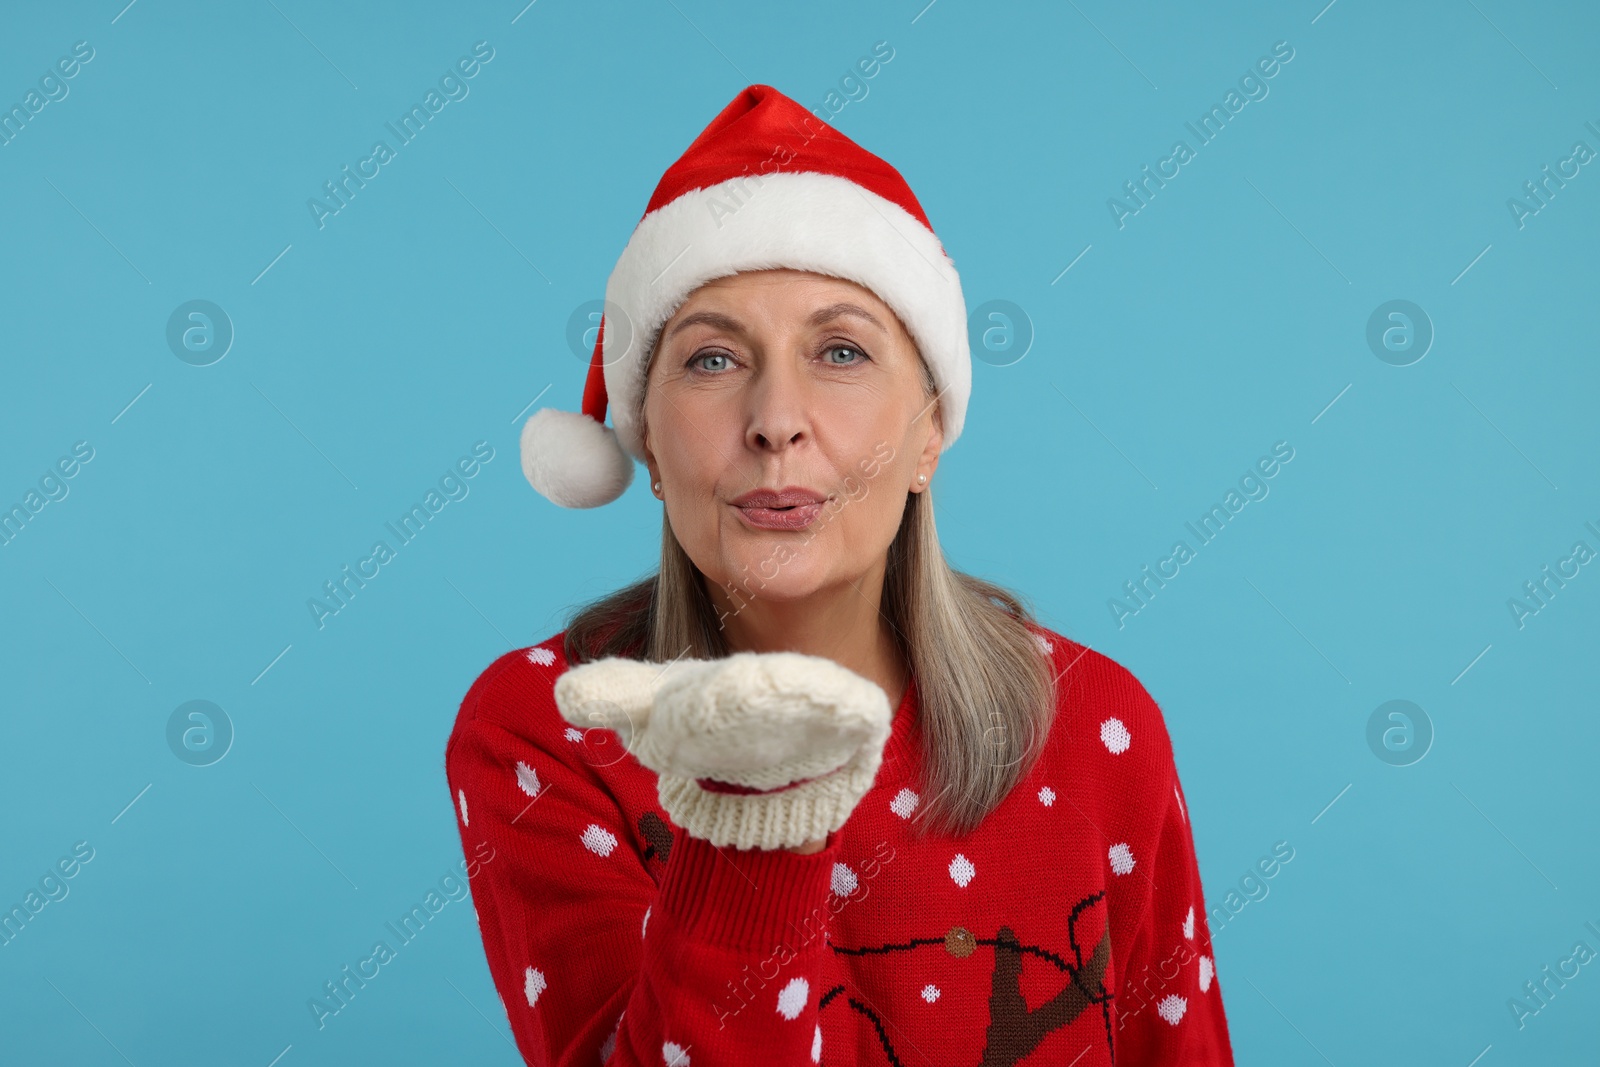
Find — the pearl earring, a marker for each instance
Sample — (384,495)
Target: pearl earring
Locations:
(922,477)
(656,486)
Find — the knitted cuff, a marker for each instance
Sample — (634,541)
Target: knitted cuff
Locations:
(783,819)
(746,900)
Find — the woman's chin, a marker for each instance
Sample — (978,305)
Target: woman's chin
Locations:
(763,576)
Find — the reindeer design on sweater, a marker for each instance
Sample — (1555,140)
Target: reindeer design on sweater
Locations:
(1013,1031)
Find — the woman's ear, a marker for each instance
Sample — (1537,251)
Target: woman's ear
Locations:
(649,455)
(928,461)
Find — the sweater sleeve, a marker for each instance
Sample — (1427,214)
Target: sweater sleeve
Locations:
(594,962)
(1169,1002)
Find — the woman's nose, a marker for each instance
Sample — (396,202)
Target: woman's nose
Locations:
(778,406)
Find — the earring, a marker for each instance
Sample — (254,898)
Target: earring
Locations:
(656,487)
(922,477)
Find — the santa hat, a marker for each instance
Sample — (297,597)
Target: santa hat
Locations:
(765,185)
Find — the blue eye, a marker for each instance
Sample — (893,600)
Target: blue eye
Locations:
(845,348)
(695,360)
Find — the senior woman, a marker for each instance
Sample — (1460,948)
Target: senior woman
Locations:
(847,805)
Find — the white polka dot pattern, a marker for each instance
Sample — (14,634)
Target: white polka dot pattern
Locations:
(904,803)
(533,984)
(792,999)
(1114,735)
(598,839)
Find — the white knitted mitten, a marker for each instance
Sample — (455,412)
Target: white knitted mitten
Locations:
(756,750)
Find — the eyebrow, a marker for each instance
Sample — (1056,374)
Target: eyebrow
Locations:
(834,311)
(817,318)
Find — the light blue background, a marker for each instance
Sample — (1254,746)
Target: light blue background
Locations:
(1225,316)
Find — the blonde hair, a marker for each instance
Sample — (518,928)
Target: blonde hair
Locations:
(985,689)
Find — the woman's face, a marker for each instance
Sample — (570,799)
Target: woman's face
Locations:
(778,379)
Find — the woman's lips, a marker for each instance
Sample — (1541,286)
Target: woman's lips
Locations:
(794,518)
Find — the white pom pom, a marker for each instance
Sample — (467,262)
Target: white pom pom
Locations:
(573,460)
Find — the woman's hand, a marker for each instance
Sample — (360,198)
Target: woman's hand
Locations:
(755,750)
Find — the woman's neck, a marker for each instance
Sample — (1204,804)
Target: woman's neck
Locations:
(848,629)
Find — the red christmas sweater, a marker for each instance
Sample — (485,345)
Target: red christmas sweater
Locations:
(1068,929)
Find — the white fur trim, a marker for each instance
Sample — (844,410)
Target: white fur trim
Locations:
(803,221)
(573,460)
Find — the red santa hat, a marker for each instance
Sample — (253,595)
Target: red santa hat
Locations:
(765,185)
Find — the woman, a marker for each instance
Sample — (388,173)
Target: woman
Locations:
(1017,883)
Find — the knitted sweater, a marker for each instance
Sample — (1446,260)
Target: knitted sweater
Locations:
(1068,929)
